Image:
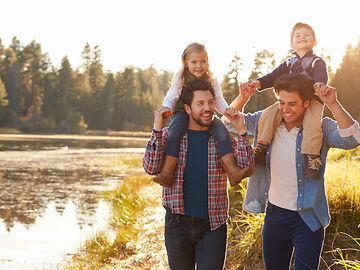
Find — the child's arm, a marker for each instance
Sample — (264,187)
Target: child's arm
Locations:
(320,71)
(268,80)
(320,74)
(221,104)
(172,94)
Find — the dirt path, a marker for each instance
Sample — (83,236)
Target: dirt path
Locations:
(150,253)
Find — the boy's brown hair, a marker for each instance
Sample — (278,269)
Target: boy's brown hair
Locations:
(295,83)
(301,25)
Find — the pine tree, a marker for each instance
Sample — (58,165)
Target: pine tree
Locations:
(347,80)
(264,63)
(230,82)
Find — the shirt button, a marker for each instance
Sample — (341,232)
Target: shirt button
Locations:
(300,195)
(298,165)
(298,149)
(299,180)
(299,208)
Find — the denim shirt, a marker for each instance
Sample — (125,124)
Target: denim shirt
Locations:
(311,202)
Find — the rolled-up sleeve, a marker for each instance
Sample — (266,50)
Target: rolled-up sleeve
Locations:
(353,130)
(243,151)
(347,138)
(154,151)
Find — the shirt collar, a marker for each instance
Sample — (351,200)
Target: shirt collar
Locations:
(293,131)
(309,53)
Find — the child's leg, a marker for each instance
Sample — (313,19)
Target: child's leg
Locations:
(312,139)
(227,158)
(178,126)
(313,135)
(221,135)
(268,122)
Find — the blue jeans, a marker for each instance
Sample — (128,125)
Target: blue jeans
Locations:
(189,242)
(284,232)
(179,125)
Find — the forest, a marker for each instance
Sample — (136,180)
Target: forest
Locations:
(37,97)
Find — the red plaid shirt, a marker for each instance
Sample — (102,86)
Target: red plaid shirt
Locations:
(218,200)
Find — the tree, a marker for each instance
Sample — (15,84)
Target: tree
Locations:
(12,80)
(93,68)
(107,103)
(230,83)
(264,63)
(127,99)
(32,69)
(347,80)
(3,103)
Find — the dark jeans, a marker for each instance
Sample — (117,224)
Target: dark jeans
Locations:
(189,242)
(285,231)
(179,125)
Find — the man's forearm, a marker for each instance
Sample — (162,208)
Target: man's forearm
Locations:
(239,102)
(153,154)
(342,117)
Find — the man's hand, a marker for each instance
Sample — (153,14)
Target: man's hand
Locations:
(160,117)
(326,93)
(236,118)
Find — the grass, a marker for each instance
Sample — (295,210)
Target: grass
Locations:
(126,203)
(244,232)
(341,247)
(343,182)
(344,259)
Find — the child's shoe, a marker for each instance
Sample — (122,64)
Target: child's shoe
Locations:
(312,166)
(166,176)
(260,154)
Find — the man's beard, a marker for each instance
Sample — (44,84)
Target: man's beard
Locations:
(201,123)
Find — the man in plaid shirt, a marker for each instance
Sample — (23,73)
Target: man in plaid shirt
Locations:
(197,203)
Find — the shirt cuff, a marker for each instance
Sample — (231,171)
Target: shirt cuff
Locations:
(157,133)
(353,130)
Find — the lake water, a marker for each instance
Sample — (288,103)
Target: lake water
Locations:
(49,197)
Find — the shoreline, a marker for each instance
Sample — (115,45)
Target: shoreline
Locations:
(34,137)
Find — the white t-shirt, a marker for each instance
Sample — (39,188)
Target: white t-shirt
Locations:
(283,190)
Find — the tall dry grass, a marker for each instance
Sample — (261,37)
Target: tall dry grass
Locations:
(341,246)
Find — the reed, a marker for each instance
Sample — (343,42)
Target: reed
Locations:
(343,191)
(112,242)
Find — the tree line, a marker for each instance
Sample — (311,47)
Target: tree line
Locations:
(35,96)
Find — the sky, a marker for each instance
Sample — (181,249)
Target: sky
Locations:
(141,33)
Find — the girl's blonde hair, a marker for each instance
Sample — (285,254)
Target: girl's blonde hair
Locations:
(191,48)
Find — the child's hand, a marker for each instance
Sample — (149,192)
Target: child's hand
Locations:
(247,89)
(167,112)
(317,87)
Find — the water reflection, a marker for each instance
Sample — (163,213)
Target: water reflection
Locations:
(49,200)
(25,192)
(47,237)
(55,144)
